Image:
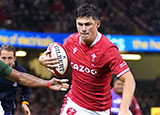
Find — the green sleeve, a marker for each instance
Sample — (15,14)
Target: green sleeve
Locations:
(5,70)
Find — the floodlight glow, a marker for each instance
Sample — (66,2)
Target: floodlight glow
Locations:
(131,56)
(21,53)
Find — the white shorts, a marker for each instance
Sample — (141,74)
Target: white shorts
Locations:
(1,110)
(71,108)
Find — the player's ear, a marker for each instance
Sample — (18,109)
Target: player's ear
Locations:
(98,23)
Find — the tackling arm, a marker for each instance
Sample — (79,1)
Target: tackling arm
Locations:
(27,79)
(33,81)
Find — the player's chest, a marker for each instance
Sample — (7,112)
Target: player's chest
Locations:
(91,57)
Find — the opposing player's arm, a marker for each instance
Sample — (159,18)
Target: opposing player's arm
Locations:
(33,81)
(30,80)
(128,92)
(26,79)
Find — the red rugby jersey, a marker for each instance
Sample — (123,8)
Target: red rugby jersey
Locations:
(92,69)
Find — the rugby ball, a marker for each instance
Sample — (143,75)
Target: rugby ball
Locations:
(59,52)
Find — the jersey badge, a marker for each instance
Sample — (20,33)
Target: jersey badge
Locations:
(71,111)
(93,57)
(74,50)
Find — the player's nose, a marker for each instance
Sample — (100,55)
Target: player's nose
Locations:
(84,28)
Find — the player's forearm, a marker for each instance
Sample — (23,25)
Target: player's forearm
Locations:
(27,79)
(128,91)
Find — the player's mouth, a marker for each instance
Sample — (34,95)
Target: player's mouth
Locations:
(84,34)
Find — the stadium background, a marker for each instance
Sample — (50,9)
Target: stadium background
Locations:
(119,17)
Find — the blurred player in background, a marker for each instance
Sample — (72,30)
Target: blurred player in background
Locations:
(93,59)
(117,97)
(30,80)
(8,89)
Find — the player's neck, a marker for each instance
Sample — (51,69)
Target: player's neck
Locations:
(89,42)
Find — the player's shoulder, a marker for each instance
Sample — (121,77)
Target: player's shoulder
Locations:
(106,43)
(73,37)
(112,91)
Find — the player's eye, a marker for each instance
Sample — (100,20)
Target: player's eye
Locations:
(87,24)
(80,24)
(10,58)
(3,58)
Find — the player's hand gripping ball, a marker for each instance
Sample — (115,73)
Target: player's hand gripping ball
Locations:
(59,52)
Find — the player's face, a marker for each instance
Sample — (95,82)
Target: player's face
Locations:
(7,57)
(118,86)
(87,27)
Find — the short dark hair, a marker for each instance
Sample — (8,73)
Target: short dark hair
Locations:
(8,48)
(87,10)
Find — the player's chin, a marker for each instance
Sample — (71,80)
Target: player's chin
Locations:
(85,38)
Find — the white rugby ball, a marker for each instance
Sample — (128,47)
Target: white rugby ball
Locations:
(59,52)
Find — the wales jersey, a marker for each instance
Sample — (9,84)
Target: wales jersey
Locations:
(92,69)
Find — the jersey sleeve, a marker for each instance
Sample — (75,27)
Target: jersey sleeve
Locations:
(5,70)
(25,93)
(117,65)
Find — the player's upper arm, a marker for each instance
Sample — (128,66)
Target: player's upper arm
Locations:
(127,76)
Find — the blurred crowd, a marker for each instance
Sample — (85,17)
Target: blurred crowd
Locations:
(140,17)
(147,94)
(117,16)
(43,102)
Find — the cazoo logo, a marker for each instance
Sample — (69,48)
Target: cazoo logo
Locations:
(81,68)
